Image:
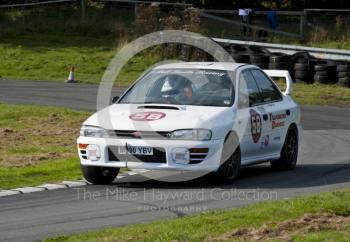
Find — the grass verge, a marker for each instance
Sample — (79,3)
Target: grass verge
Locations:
(37,144)
(319,94)
(229,225)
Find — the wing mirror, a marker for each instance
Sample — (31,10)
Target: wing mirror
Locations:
(115,99)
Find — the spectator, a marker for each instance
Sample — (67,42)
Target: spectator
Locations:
(272,19)
(247,18)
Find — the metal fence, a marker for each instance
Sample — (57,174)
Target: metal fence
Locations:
(227,23)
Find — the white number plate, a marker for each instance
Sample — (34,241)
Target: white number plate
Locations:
(135,150)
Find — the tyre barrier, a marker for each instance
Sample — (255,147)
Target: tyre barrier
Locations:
(260,59)
(343,72)
(241,58)
(281,61)
(325,73)
(257,50)
(302,66)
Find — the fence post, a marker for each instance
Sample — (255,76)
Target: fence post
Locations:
(302,24)
(83,9)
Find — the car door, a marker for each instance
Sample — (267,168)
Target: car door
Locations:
(277,112)
(251,119)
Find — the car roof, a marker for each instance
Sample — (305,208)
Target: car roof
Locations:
(227,66)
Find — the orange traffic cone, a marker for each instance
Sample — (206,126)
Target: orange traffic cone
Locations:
(71,75)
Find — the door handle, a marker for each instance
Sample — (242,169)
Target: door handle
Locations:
(265,117)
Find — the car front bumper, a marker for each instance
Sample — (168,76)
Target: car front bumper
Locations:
(211,162)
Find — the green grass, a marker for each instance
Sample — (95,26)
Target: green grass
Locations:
(212,224)
(326,235)
(42,44)
(38,144)
(44,172)
(319,94)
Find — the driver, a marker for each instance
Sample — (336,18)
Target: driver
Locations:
(188,91)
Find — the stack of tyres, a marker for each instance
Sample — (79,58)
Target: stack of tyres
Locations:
(325,73)
(260,60)
(257,50)
(239,53)
(343,71)
(259,56)
(280,61)
(304,70)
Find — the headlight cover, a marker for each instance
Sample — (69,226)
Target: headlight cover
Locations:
(93,131)
(191,134)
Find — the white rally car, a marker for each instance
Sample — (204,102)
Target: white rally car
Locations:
(210,117)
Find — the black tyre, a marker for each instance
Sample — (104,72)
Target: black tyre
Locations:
(259,58)
(323,79)
(324,67)
(344,82)
(343,67)
(302,61)
(241,58)
(344,79)
(257,49)
(280,66)
(234,48)
(99,175)
(323,73)
(343,74)
(289,152)
(302,74)
(230,161)
(279,57)
(302,67)
(300,57)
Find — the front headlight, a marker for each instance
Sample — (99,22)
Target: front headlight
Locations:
(93,131)
(191,134)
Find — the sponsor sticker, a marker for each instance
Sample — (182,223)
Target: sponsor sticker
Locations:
(265,141)
(277,120)
(147,116)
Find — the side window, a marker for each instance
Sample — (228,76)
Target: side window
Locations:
(249,94)
(269,91)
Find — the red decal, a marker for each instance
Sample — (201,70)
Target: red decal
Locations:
(147,116)
(255,122)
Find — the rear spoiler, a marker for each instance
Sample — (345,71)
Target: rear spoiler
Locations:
(282,74)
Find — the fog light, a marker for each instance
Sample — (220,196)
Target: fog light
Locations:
(180,155)
(93,152)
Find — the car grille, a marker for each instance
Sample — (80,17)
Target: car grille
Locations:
(197,155)
(132,134)
(159,156)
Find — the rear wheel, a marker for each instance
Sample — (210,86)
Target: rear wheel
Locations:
(231,155)
(289,153)
(99,175)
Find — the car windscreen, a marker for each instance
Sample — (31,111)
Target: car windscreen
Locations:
(201,87)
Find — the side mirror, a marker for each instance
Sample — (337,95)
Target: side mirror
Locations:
(115,99)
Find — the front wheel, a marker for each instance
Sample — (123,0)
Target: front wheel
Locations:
(99,175)
(289,152)
(231,154)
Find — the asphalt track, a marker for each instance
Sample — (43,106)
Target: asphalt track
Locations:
(324,164)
